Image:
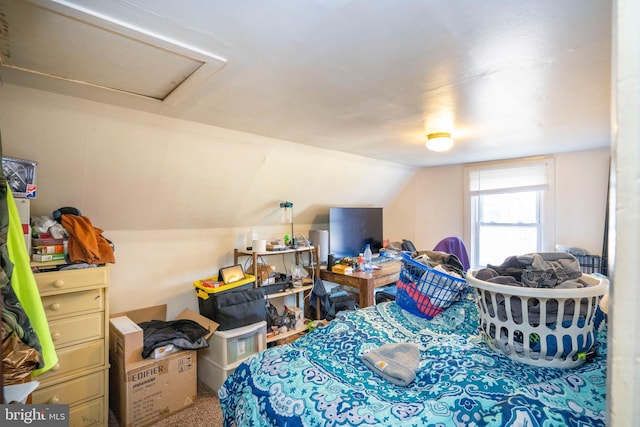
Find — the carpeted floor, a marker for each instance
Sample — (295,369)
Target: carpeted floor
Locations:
(205,412)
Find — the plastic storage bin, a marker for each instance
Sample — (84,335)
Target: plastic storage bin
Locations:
(590,263)
(545,341)
(234,345)
(213,375)
(209,289)
(227,350)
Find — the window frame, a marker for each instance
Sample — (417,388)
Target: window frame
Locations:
(545,204)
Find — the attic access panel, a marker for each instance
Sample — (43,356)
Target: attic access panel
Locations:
(51,40)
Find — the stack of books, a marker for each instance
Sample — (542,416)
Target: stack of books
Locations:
(46,248)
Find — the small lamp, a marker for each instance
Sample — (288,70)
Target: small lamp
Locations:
(439,141)
(287,217)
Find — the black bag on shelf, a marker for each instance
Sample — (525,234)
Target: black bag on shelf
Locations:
(239,308)
(273,318)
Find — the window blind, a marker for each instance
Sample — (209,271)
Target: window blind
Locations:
(531,177)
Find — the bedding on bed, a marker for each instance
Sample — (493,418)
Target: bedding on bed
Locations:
(321,380)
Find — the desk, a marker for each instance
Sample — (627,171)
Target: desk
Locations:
(366,282)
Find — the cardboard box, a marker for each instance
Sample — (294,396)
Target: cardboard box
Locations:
(47,257)
(49,250)
(297,317)
(342,269)
(144,391)
(21,176)
(24,212)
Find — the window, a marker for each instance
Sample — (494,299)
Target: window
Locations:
(509,209)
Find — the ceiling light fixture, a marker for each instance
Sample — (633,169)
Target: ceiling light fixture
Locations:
(439,141)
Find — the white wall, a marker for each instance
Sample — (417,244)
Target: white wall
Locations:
(430,206)
(624,347)
(431,203)
(581,192)
(176,197)
(130,170)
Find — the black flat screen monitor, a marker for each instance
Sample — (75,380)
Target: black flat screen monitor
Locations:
(350,229)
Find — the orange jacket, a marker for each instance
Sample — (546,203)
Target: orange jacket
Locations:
(86,243)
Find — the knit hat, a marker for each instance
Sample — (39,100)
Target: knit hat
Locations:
(57,214)
(396,363)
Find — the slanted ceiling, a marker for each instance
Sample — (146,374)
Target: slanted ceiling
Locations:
(508,78)
(99,56)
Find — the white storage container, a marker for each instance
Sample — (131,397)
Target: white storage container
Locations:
(211,374)
(227,350)
(234,345)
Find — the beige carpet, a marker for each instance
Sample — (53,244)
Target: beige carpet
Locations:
(205,412)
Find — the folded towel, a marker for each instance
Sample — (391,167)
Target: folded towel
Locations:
(396,363)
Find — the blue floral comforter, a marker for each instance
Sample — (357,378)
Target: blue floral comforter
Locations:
(320,379)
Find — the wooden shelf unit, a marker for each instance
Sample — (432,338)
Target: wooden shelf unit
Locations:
(255,256)
(302,291)
(293,291)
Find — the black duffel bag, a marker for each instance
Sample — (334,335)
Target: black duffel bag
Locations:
(239,308)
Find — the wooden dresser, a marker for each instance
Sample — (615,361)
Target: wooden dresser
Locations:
(76,303)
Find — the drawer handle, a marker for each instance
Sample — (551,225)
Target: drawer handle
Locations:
(55,336)
(55,306)
(56,367)
(58,284)
(53,400)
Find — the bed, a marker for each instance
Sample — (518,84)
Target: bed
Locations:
(321,380)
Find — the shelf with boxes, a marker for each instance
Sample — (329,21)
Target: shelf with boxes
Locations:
(298,325)
(212,299)
(239,308)
(257,258)
(274,291)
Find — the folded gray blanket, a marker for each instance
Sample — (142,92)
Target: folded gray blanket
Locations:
(396,363)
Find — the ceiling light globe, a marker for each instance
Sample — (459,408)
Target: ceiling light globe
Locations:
(439,141)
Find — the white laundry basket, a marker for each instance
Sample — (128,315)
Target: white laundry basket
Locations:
(522,322)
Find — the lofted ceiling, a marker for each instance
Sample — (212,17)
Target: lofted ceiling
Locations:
(509,78)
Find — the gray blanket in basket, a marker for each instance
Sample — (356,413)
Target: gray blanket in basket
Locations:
(551,270)
(540,270)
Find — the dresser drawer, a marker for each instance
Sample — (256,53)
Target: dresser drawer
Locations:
(77,329)
(75,358)
(88,414)
(62,281)
(74,391)
(74,303)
